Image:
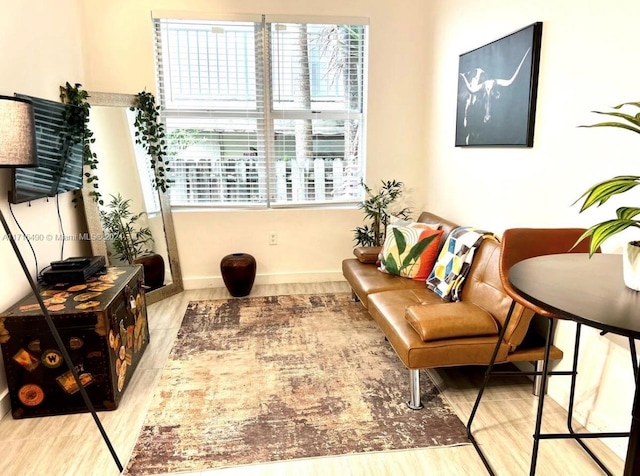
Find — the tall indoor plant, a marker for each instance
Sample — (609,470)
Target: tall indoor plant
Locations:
(128,238)
(626,217)
(377,207)
(131,240)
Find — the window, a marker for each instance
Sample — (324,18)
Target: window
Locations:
(263,113)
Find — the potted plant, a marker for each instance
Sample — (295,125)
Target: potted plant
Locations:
(377,208)
(150,133)
(626,217)
(130,240)
(77,125)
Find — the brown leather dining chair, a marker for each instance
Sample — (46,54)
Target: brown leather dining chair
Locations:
(519,244)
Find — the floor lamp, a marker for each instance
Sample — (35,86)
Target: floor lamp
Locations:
(18,149)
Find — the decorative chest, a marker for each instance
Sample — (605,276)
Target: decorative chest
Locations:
(103,324)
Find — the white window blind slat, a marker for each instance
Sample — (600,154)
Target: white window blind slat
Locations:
(315,19)
(210,16)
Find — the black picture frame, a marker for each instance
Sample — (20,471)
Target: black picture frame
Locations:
(497,90)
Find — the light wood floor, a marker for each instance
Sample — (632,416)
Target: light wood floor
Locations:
(72,445)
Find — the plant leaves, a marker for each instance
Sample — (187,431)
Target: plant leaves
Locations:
(602,231)
(603,191)
(614,124)
(375,208)
(416,250)
(401,242)
(632,103)
(627,213)
(620,115)
(390,265)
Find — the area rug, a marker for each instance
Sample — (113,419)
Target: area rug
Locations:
(274,378)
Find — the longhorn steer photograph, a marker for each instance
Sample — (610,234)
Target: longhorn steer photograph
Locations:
(497,88)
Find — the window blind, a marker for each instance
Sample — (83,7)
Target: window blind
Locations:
(262,114)
(59,163)
(317,73)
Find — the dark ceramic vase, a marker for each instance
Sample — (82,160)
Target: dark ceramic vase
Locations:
(153,265)
(238,273)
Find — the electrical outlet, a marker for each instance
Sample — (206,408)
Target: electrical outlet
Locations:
(273,238)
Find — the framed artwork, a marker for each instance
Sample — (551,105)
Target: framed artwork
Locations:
(497,88)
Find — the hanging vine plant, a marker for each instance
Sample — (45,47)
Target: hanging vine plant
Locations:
(150,134)
(77,130)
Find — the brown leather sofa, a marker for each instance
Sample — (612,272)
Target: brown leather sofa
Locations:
(427,332)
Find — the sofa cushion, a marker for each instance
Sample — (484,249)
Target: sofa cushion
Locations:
(448,320)
(388,309)
(365,279)
(410,251)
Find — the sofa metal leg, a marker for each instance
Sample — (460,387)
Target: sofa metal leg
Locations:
(537,379)
(354,296)
(414,390)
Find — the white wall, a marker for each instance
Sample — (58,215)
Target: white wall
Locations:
(41,51)
(588,62)
(311,243)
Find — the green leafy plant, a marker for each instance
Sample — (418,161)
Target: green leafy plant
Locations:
(77,129)
(129,240)
(377,210)
(151,135)
(412,256)
(603,191)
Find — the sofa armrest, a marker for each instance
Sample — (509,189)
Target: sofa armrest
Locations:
(367,254)
(449,320)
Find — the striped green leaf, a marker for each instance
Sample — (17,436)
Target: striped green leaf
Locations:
(602,231)
(633,119)
(603,191)
(400,240)
(417,250)
(627,213)
(390,265)
(615,124)
(633,103)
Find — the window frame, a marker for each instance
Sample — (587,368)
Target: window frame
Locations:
(266,114)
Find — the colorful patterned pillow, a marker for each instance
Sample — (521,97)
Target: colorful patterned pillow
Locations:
(410,251)
(450,271)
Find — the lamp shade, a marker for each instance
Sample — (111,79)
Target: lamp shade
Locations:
(17,133)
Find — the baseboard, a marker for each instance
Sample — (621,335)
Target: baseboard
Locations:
(275,278)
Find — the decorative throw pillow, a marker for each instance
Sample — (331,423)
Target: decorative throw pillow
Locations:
(410,251)
(397,221)
(450,271)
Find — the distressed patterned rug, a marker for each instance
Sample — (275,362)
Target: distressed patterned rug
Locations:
(282,377)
